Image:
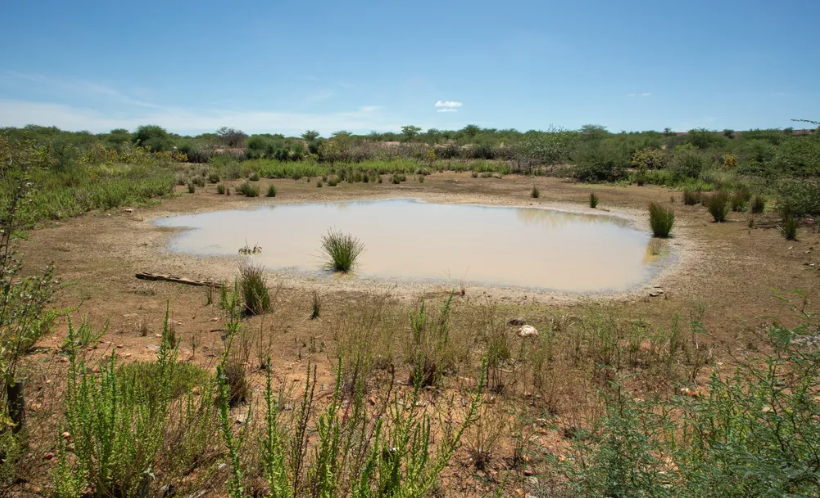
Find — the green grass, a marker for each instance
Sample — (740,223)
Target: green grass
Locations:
(254,289)
(758,204)
(535,194)
(248,189)
(341,250)
(220,189)
(718,206)
(254,177)
(661,220)
(593,200)
(271,191)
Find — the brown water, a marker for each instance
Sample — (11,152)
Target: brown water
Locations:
(410,240)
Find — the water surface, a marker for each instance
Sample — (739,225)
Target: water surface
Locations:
(419,241)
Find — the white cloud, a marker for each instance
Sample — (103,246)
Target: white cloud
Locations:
(645,94)
(448,103)
(447,109)
(631,94)
(186,120)
(87,89)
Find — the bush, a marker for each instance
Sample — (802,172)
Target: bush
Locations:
(535,194)
(661,220)
(255,295)
(758,204)
(248,189)
(213,178)
(688,163)
(691,198)
(254,177)
(593,200)
(718,206)
(342,250)
(271,191)
(220,189)
(789,227)
(191,187)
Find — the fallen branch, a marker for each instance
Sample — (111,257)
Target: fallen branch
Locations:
(178,280)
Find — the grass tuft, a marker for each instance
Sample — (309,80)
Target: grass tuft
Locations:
(758,204)
(593,200)
(191,188)
(248,190)
(271,191)
(220,189)
(789,227)
(254,289)
(316,308)
(718,206)
(535,194)
(691,198)
(661,220)
(342,250)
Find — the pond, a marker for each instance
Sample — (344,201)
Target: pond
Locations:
(410,240)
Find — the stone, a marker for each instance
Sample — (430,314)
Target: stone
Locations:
(527,331)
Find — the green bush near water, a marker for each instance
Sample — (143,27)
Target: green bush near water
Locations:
(341,250)
(661,220)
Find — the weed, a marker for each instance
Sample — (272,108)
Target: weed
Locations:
(788,227)
(319,184)
(691,198)
(271,191)
(332,182)
(421,179)
(535,194)
(255,294)
(191,188)
(395,180)
(718,206)
(661,220)
(254,177)
(593,200)
(316,307)
(758,204)
(220,189)
(342,250)
(213,178)
(85,336)
(248,189)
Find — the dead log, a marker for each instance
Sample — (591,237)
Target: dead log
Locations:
(177,280)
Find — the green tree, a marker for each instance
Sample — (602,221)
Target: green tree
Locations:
(409,132)
(310,135)
(153,136)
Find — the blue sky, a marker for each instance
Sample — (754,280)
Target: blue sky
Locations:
(277,66)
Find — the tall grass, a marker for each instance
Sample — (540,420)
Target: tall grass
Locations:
(341,250)
(718,206)
(271,191)
(253,286)
(593,200)
(535,194)
(248,189)
(788,227)
(691,198)
(661,220)
(758,204)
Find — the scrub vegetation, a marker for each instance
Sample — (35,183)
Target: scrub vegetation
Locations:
(267,389)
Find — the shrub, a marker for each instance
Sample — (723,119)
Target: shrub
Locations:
(421,179)
(688,163)
(789,227)
(691,198)
(191,187)
(319,184)
(238,389)
(248,189)
(661,220)
(535,194)
(395,180)
(316,307)
(220,189)
(271,191)
(718,206)
(593,200)
(758,204)
(332,182)
(213,178)
(198,181)
(254,289)
(254,177)
(737,202)
(342,250)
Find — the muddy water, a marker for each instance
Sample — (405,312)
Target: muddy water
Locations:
(419,241)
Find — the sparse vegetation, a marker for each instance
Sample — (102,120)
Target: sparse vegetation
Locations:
(255,294)
(248,189)
(661,220)
(758,204)
(691,198)
(788,226)
(593,200)
(535,194)
(342,250)
(271,191)
(220,189)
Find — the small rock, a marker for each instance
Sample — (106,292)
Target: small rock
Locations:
(527,331)
(120,346)
(66,435)
(517,322)
(48,456)
(128,210)
(372,401)
(528,472)
(221,466)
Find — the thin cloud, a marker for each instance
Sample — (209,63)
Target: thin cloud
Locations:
(80,87)
(186,120)
(645,94)
(447,109)
(448,103)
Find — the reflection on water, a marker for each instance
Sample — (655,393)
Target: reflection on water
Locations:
(413,240)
